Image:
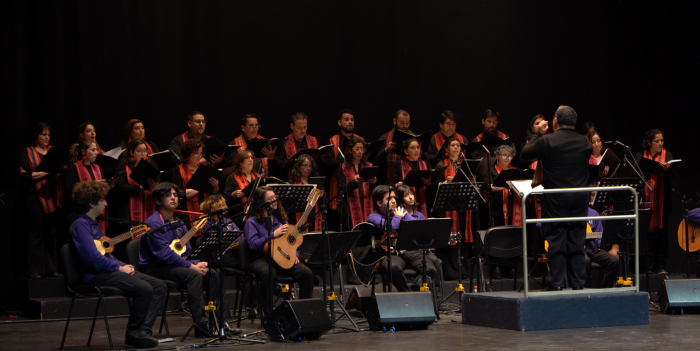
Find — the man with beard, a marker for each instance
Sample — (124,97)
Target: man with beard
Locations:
(293,143)
(385,159)
(490,122)
(195,130)
(346,122)
(448,127)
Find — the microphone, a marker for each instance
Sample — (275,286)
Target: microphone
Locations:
(117,220)
(617,143)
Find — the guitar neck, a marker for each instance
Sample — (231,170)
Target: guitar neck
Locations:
(303,218)
(119,238)
(594,235)
(195,228)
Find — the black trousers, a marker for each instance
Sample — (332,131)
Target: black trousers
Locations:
(41,240)
(194,283)
(299,272)
(148,294)
(412,259)
(566,239)
(609,263)
(658,246)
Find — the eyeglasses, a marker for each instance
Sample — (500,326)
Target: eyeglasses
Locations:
(200,121)
(253,126)
(505,157)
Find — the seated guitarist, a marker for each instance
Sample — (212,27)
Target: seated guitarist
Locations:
(412,259)
(93,268)
(214,203)
(257,236)
(606,256)
(159,260)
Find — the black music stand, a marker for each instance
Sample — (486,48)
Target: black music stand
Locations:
(294,197)
(424,234)
(459,197)
(622,231)
(210,250)
(339,245)
(621,199)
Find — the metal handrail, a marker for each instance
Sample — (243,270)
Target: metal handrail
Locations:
(635,216)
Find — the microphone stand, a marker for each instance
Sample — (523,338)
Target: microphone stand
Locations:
(477,247)
(387,230)
(341,195)
(636,169)
(268,226)
(488,188)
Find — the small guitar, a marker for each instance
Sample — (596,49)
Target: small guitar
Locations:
(180,245)
(286,245)
(693,242)
(105,244)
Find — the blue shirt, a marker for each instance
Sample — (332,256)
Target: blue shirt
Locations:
(156,247)
(257,235)
(88,261)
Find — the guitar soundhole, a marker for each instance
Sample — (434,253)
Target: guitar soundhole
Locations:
(178,246)
(105,244)
(291,240)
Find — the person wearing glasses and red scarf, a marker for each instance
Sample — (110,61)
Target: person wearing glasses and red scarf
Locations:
(511,213)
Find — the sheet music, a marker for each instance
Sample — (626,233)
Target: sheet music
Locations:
(114,153)
(523,187)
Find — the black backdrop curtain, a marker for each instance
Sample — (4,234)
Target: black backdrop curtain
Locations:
(628,66)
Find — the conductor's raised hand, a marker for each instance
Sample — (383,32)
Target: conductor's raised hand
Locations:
(543,127)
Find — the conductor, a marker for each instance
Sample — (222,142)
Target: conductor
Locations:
(564,158)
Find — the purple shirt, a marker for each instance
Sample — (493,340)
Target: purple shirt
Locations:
(694,216)
(596,226)
(377,218)
(88,261)
(411,217)
(257,235)
(156,247)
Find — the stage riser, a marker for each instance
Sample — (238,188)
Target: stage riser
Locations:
(508,310)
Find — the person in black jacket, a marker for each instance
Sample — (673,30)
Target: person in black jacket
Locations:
(564,155)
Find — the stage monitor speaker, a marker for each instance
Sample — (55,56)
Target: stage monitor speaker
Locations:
(403,311)
(675,295)
(297,320)
(359,299)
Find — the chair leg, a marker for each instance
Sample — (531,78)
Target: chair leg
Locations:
(65,331)
(163,319)
(435,301)
(240,303)
(515,278)
(471,276)
(94,318)
(104,314)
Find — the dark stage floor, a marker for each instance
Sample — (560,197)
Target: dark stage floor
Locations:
(664,332)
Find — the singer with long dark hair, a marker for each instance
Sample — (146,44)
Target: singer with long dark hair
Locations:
(135,130)
(43,201)
(244,173)
(257,235)
(358,202)
(134,202)
(412,161)
(85,131)
(660,198)
(452,158)
(304,168)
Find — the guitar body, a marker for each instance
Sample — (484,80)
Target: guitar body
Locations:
(103,245)
(284,248)
(177,247)
(693,240)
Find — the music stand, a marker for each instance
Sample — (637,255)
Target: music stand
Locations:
(459,197)
(424,234)
(340,245)
(209,250)
(294,197)
(617,198)
(622,231)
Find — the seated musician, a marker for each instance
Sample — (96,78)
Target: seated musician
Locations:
(412,161)
(507,209)
(192,152)
(412,259)
(147,293)
(257,236)
(214,203)
(159,260)
(607,256)
(244,172)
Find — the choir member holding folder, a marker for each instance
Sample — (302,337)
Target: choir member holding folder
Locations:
(358,202)
(197,188)
(452,158)
(243,175)
(139,175)
(511,213)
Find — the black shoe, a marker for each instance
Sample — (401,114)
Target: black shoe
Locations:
(35,276)
(56,274)
(577,288)
(662,270)
(554,288)
(141,340)
(230,331)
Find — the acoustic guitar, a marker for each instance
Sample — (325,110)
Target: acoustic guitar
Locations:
(105,244)
(693,243)
(285,247)
(180,245)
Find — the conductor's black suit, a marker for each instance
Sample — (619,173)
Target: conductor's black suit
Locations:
(564,156)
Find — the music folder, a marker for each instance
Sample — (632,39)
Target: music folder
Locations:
(506,175)
(51,162)
(653,167)
(165,159)
(214,146)
(469,167)
(369,172)
(491,141)
(401,136)
(437,174)
(270,180)
(373,148)
(413,178)
(256,145)
(142,172)
(108,165)
(200,179)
